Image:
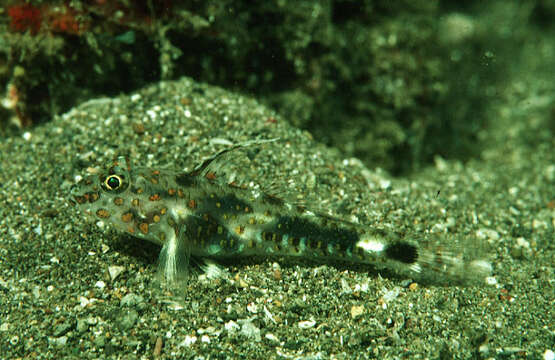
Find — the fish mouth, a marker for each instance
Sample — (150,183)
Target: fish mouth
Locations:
(76,195)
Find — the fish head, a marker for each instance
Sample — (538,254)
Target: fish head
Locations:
(131,200)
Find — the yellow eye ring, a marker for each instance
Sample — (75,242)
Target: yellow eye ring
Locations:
(113,182)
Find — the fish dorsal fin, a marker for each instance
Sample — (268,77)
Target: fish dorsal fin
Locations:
(229,167)
(295,194)
(224,166)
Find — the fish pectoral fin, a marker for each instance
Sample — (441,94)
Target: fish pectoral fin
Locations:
(174,260)
(212,270)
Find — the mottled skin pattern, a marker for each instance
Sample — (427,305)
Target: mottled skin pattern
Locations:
(198,214)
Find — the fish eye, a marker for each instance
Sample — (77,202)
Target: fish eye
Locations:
(113,182)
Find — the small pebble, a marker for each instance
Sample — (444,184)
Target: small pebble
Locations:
(158,347)
(131,300)
(115,271)
(307,324)
(357,311)
(128,320)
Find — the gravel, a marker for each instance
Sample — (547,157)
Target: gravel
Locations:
(59,297)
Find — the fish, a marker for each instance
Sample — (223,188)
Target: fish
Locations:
(207,213)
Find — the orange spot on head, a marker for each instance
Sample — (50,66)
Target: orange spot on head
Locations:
(155,172)
(90,197)
(118,201)
(154,197)
(171,192)
(144,228)
(180,193)
(210,175)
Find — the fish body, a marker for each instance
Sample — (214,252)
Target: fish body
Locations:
(198,214)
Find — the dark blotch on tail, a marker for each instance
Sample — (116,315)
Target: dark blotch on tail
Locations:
(402,252)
